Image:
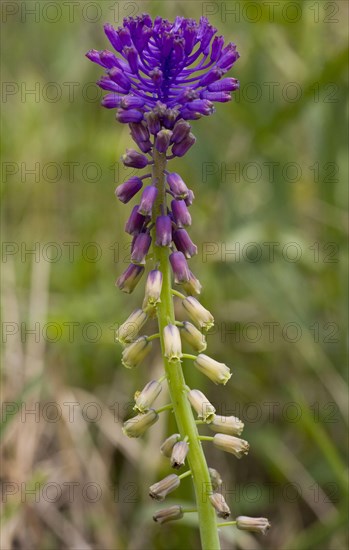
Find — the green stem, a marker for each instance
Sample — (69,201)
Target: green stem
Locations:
(176,382)
(185,474)
(226,524)
(168,407)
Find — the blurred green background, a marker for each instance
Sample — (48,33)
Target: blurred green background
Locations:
(269,172)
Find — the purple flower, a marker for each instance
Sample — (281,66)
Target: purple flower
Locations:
(184,243)
(163,229)
(128,189)
(173,63)
(134,159)
(180,213)
(177,185)
(140,249)
(179,267)
(129,278)
(147,200)
(135,223)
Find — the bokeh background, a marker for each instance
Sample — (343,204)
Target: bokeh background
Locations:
(269,172)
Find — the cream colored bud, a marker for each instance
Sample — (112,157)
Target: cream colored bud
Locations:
(193,286)
(227,425)
(128,331)
(231,444)
(219,373)
(201,405)
(216,479)
(193,336)
(168,514)
(201,316)
(162,488)
(145,398)
(172,343)
(138,425)
(218,502)
(152,290)
(167,446)
(255,525)
(179,454)
(134,354)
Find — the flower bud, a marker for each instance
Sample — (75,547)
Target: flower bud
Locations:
(139,132)
(162,488)
(152,289)
(219,373)
(230,444)
(132,102)
(153,122)
(230,425)
(140,248)
(169,118)
(127,190)
(192,336)
(163,229)
(201,316)
(135,223)
(184,243)
(168,514)
(179,267)
(138,425)
(134,354)
(145,398)
(255,525)
(218,502)
(177,185)
(172,343)
(180,213)
(147,201)
(193,286)
(128,331)
(167,446)
(129,278)
(179,454)
(205,410)
(181,148)
(190,198)
(111,101)
(162,140)
(126,117)
(216,479)
(180,131)
(134,159)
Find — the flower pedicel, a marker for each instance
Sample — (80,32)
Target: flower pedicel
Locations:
(160,76)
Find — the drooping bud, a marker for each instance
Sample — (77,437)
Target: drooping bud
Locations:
(172,343)
(127,190)
(179,454)
(184,243)
(224,85)
(134,354)
(128,331)
(230,425)
(162,141)
(167,446)
(169,118)
(147,201)
(177,185)
(230,444)
(152,289)
(128,280)
(132,102)
(138,425)
(153,122)
(219,373)
(194,337)
(135,223)
(145,398)
(163,229)
(168,514)
(254,525)
(140,248)
(111,101)
(218,502)
(180,213)
(193,286)
(205,410)
(139,132)
(126,117)
(181,148)
(180,131)
(216,479)
(162,488)
(179,267)
(134,159)
(201,316)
